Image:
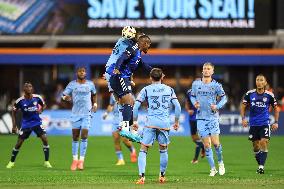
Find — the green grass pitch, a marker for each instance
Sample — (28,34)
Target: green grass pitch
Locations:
(100,171)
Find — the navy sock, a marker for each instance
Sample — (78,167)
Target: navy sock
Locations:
(14,154)
(197,149)
(263,156)
(257,157)
(127,112)
(46,152)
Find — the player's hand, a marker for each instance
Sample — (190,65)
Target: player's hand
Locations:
(213,107)
(14,129)
(274,127)
(245,123)
(176,126)
(197,105)
(116,71)
(190,112)
(95,107)
(135,126)
(67,98)
(132,83)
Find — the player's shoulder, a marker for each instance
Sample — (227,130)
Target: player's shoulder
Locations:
(188,92)
(89,82)
(250,91)
(269,93)
(216,82)
(197,81)
(19,99)
(37,96)
(73,82)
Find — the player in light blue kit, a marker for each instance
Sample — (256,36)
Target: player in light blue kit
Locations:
(159,97)
(31,105)
(113,107)
(124,60)
(208,97)
(82,92)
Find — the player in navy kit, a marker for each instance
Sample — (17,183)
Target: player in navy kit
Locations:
(31,106)
(125,59)
(259,101)
(193,129)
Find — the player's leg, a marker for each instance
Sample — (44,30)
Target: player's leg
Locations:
(203,131)
(215,138)
(117,147)
(196,139)
(163,140)
(75,147)
(23,135)
(83,147)
(130,146)
(149,136)
(41,133)
(263,144)
(254,136)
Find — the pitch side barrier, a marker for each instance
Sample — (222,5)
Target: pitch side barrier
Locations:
(85,56)
(57,122)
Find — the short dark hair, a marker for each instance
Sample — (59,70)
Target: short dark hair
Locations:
(156,74)
(80,67)
(144,37)
(28,82)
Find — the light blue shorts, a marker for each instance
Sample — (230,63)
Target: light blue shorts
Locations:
(115,127)
(151,134)
(81,122)
(207,128)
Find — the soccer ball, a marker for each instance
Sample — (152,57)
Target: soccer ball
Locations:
(128,32)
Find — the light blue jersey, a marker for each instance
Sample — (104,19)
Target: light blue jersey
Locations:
(207,94)
(119,48)
(159,97)
(81,97)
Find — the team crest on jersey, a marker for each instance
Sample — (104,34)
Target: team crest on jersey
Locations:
(35,103)
(264,99)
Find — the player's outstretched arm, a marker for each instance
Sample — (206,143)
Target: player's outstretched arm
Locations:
(146,66)
(14,127)
(108,110)
(95,105)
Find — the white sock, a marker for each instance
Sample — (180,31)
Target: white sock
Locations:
(75,157)
(82,158)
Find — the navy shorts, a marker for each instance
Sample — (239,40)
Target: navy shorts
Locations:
(121,86)
(26,132)
(259,132)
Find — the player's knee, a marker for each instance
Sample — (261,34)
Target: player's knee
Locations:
(263,144)
(162,147)
(207,145)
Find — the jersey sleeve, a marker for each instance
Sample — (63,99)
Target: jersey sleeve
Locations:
(272,100)
(68,90)
(246,99)
(142,95)
(40,100)
(93,88)
(111,100)
(173,94)
(16,106)
(130,50)
(220,90)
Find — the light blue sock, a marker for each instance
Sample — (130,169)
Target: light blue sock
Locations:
(218,151)
(119,155)
(163,160)
(83,147)
(142,162)
(209,156)
(75,147)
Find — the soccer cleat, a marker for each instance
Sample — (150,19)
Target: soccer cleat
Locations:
(213,172)
(194,161)
(120,162)
(260,171)
(74,165)
(131,136)
(10,165)
(202,155)
(221,169)
(133,157)
(47,164)
(141,180)
(162,179)
(80,164)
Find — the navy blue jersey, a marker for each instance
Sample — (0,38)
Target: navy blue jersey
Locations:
(191,106)
(29,107)
(259,107)
(128,62)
